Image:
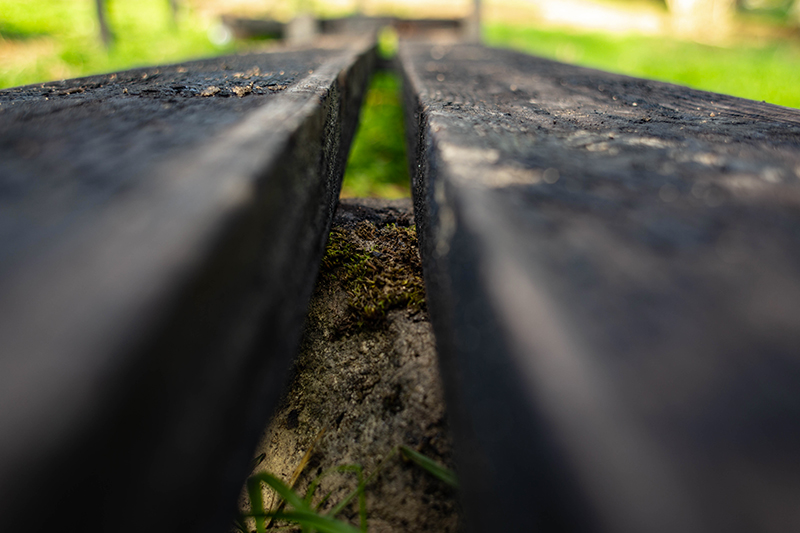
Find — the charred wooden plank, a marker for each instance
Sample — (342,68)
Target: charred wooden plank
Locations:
(613,274)
(159,240)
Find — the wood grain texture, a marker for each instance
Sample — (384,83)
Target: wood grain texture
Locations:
(613,272)
(159,240)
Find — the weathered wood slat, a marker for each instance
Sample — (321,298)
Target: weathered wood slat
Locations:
(613,272)
(160,231)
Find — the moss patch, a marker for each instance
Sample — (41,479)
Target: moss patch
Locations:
(379,268)
(370,388)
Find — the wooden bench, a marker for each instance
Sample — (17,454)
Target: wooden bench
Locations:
(612,265)
(160,234)
(613,275)
(249,28)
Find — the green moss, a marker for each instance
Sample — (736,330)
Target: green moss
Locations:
(379,269)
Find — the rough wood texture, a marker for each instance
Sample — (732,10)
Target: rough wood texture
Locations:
(613,274)
(160,232)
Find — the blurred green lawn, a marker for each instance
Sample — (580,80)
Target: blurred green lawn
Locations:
(769,71)
(42,40)
(377,165)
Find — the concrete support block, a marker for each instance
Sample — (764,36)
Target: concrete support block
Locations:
(302,29)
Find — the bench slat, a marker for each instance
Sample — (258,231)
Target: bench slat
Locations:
(159,239)
(613,274)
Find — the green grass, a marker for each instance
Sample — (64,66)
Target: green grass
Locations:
(768,72)
(41,40)
(377,165)
(311,517)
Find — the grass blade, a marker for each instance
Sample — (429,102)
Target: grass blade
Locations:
(312,488)
(257,504)
(342,504)
(362,503)
(310,519)
(257,461)
(302,513)
(324,500)
(283,490)
(362,497)
(431,466)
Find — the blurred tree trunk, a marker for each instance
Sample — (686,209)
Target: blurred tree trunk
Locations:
(794,12)
(105,31)
(173,11)
(472,29)
(706,19)
(102,18)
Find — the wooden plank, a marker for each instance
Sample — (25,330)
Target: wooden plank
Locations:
(613,275)
(160,231)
